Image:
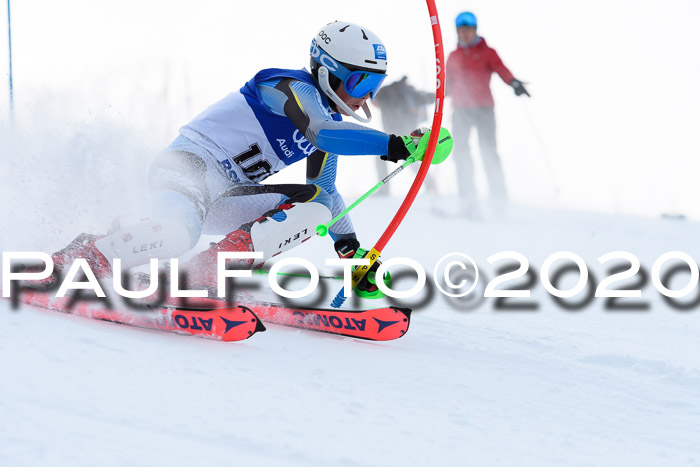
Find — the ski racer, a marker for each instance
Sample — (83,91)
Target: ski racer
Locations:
(209,180)
(469,70)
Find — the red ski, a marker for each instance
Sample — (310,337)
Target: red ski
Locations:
(231,323)
(377,324)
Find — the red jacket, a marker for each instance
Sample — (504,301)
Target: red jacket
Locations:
(469,72)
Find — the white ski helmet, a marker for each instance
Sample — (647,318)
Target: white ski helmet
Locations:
(350,54)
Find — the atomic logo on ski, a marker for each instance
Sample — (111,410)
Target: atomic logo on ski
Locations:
(231,324)
(384,324)
(392,323)
(193,322)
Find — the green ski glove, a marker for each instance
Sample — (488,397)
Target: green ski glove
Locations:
(414,146)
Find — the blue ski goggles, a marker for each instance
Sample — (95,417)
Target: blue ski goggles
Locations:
(360,83)
(357,83)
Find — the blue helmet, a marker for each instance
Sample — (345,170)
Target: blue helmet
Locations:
(466,19)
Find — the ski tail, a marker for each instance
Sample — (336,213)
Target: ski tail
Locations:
(226,324)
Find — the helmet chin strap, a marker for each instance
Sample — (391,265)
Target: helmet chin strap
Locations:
(326,87)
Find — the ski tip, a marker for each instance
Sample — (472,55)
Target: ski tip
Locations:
(392,324)
(227,324)
(405,311)
(259,327)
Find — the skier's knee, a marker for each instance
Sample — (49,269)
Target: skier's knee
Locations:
(321,196)
(136,244)
(288,227)
(310,193)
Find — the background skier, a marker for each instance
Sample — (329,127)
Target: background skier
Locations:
(468,75)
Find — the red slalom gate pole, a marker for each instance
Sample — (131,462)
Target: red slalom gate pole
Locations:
(374,253)
(434,134)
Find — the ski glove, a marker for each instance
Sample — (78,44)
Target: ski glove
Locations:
(519,88)
(367,288)
(402,147)
(346,247)
(416,144)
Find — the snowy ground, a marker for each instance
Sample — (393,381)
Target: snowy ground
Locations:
(479,387)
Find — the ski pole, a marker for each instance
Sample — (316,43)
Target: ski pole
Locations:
(9,43)
(322,229)
(543,149)
(263,272)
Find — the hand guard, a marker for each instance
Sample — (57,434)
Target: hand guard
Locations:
(416,144)
(417,134)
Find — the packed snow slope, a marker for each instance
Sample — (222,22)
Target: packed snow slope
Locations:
(468,385)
